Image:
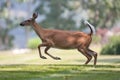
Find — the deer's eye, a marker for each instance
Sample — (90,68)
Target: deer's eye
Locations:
(28,20)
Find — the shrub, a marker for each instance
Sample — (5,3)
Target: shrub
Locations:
(33,43)
(113,46)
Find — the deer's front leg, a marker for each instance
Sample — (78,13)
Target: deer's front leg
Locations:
(43,57)
(46,49)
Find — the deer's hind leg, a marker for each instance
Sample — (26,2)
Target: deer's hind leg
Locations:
(94,54)
(83,51)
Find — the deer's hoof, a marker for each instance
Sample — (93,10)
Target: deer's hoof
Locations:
(57,58)
(43,57)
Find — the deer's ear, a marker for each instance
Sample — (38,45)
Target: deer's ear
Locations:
(35,15)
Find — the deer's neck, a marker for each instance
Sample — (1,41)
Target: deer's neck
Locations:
(38,29)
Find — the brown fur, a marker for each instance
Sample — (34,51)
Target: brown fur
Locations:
(62,39)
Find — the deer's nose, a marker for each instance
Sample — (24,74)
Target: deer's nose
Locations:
(21,24)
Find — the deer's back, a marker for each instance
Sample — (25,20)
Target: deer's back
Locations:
(67,39)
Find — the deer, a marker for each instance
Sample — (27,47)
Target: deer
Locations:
(62,39)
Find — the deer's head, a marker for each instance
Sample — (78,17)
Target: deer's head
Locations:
(28,22)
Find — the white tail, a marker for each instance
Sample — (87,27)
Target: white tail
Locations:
(90,25)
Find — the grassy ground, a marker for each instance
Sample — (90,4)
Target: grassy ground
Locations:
(30,67)
(59,72)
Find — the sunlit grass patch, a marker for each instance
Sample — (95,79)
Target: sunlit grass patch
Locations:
(59,72)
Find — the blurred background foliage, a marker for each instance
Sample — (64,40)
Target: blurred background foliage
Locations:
(100,13)
(33,43)
(56,14)
(113,46)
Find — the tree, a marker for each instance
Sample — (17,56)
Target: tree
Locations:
(104,12)
(5,38)
(54,12)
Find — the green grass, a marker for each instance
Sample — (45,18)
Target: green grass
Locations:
(30,67)
(59,72)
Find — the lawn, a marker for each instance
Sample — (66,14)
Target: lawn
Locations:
(29,66)
(59,72)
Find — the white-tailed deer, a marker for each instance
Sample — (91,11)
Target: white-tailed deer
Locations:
(62,39)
